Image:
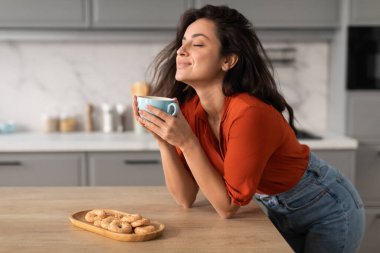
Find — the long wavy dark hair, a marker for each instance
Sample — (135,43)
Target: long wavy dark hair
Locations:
(253,73)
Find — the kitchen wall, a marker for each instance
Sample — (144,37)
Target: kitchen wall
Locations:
(61,77)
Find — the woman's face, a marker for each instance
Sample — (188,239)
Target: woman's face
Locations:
(198,59)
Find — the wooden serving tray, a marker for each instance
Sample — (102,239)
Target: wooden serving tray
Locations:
(77,219)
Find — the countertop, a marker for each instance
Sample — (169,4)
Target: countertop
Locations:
(37,220)
(128,141)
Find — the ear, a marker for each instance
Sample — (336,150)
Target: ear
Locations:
(229,62)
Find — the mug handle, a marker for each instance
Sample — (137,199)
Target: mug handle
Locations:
(175,109)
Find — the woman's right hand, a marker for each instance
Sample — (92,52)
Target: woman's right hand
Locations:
(166,129)
(136,115)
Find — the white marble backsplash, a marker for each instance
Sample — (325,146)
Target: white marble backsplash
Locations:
(38,77)
(304,83)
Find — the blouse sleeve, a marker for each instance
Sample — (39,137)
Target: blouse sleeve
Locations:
(252,138)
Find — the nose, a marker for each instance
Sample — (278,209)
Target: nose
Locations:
(181,51)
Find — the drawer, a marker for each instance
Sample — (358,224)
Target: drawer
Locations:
(285,13)
(44,14)
(343,160)
(368,172)
(365,12)
(125,169)
(371,243)
(42,169)
(363,114)
(138,14)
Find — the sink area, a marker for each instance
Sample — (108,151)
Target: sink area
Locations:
(303,134)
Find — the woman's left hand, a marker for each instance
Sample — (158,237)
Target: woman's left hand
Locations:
(173,129)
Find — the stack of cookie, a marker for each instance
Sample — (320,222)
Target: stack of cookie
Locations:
(120,222)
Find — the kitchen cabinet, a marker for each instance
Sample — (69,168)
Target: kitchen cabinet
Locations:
(363,114)
(343,160)
(42,169)
(138,13)
(91,14)
(163,14)
(365,12)
(370,242)
(43,13)
(81,169)
(112,159)
(125,168)
(285,13)
(368,173)
(363,123)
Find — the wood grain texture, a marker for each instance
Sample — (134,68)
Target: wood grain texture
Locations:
(35,219)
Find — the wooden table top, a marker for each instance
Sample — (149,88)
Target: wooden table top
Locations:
(36,219)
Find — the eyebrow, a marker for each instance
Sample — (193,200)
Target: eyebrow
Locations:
(197,35)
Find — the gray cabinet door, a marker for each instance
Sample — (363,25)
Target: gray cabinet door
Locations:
(365,12)
(138,13)
(368,173)
(343,160)
(363,114)
(371,243)
(125,169)
(285,13)
(43,13)
(42,169)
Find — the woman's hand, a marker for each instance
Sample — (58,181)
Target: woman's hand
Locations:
(137,117)
(173,129)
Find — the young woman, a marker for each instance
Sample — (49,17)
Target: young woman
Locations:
(232,141)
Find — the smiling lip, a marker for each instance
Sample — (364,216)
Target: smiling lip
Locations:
(181,65)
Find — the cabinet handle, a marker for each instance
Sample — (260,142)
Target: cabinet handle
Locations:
(141,162)
(10,163)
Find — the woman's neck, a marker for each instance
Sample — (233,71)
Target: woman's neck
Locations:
(212,101)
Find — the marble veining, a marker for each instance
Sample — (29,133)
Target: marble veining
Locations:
(61,77)
(304,83)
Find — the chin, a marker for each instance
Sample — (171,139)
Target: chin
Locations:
(184,79)
(180,78)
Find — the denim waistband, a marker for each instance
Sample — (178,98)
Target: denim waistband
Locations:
(315,164)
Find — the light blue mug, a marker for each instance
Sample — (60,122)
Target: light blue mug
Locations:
(167,105)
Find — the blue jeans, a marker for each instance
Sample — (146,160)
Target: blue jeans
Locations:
(322,213)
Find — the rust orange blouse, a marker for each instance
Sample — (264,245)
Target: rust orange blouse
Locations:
(257,151)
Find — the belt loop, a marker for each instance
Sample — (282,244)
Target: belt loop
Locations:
(314,164)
